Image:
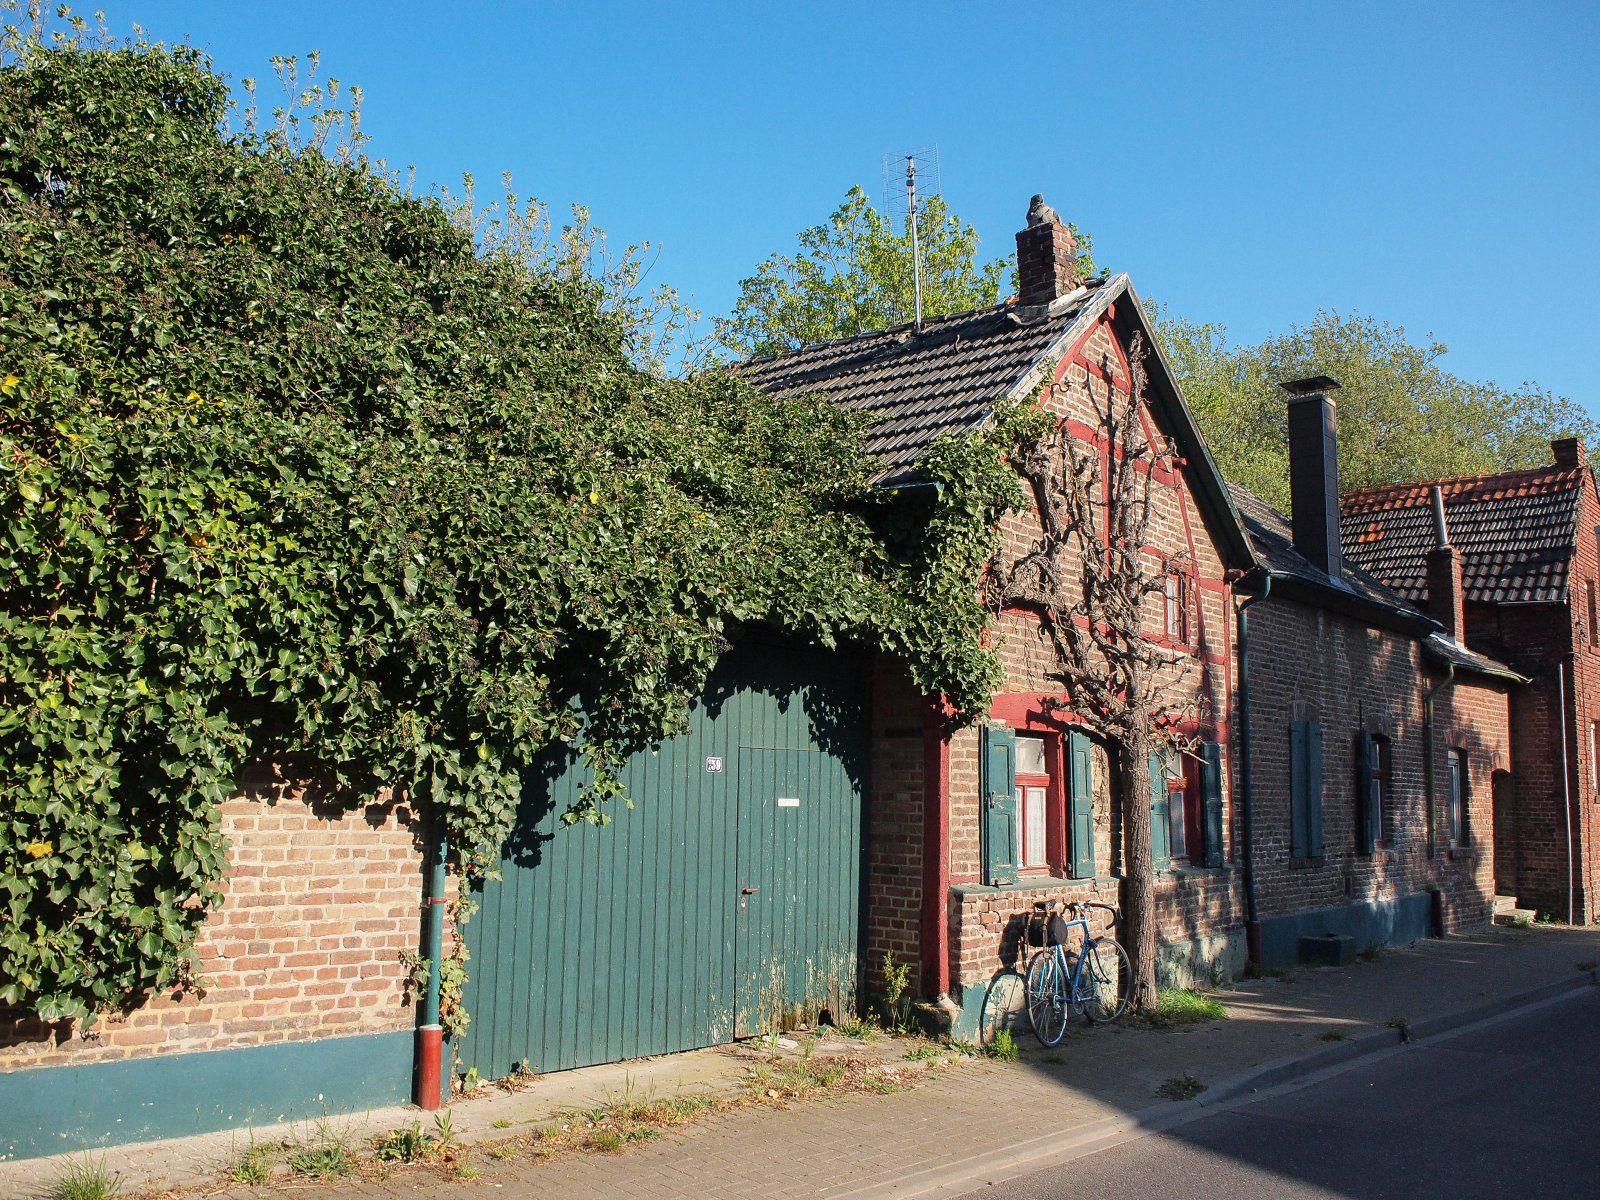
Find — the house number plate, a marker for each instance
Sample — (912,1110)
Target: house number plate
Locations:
(788,801)
(713,766)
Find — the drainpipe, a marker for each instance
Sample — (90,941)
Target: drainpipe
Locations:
(430,1033)
(1252,922)
(1427,740)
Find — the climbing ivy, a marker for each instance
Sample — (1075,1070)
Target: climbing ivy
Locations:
(294,471)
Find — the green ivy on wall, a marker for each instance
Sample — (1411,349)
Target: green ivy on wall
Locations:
(291,470)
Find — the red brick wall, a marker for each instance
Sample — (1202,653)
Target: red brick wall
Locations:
(894,823)
(1540,640)
(1309,664)
(306,944)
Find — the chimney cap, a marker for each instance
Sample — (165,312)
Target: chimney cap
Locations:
(1310,385)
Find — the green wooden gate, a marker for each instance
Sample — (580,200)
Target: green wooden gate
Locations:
(726,900)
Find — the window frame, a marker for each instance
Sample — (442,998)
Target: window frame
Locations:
(1028,782)
(1383,782)
(1458,779)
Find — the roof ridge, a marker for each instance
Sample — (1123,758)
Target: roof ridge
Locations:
(1548,470)
(885,332)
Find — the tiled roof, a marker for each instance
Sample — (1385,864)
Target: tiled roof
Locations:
(1272,537)
(918,386)
(1515,533)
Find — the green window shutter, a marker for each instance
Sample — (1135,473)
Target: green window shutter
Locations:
(1366,809)
(1160,815)
(1298,837)
(1080,777)
(1313,790)
(999,805)
(1211,795)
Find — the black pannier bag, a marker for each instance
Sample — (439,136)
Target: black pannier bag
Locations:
(1041,923)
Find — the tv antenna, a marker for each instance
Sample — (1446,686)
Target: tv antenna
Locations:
(923,164)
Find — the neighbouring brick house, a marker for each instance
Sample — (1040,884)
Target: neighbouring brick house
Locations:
(1376,740)
(1530,566)
(821,816)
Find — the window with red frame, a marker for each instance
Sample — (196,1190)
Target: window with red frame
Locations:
(1186,812)
(1033,803)
(1179,597)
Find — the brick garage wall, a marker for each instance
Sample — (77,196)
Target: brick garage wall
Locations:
(1190,903)
(1310,664)
(894,824)
(306,943)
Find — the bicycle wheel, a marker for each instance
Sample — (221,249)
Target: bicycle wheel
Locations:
(1047,998)
(1105,982)
(1004,1004)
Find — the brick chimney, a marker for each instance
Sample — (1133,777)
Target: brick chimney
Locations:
(1569,451)
(1047,257)
(1314,471)
(1446,595)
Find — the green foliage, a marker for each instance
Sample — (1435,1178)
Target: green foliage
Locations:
(1176,1006)
(1003,1046)
(326,1154)
(1402,416)
(1180,1087)
(84,1179)
(853,274)
(254,1166)
(298,468)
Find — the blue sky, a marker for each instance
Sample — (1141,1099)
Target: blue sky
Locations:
(1436,165)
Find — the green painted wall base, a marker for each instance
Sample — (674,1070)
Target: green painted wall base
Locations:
(53,1110)
(1366,922)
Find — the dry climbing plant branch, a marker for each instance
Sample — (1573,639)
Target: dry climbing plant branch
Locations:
(1091,581)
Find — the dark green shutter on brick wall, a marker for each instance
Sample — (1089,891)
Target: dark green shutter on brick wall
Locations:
(1160,814)
(1305,789)
(1216,850)
(1080,778)
(999,805)
(724,901)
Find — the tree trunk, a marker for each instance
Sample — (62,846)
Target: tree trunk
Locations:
(1139,901)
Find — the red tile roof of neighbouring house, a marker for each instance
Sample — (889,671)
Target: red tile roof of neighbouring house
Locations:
(1515,531)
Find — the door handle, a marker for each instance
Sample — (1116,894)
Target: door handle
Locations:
(749,891)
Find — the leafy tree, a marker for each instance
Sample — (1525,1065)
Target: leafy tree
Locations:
(853,274)
(1402,416)
(298,468)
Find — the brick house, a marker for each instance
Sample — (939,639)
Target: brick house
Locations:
(1376,739)
(1355,690)
(820,817)
(1530,566)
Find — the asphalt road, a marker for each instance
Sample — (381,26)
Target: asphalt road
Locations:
(1507,1111)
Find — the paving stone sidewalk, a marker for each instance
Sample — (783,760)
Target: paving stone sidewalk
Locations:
(904,1143)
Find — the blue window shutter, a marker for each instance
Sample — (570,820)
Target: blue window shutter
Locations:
(1211,795)
(999,805)
(1366,787)
(1080,778)
(1299,838)
(1160,814)
(1313,790)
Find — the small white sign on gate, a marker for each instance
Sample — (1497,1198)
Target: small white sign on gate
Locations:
(788,801)
(713,766)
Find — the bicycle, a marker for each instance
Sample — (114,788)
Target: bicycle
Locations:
(1094,982)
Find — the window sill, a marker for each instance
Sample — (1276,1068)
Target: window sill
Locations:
(1307,864)
(1028,883)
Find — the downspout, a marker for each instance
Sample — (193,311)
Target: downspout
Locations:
(1430,769)
(1252,922)
(429,1078)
